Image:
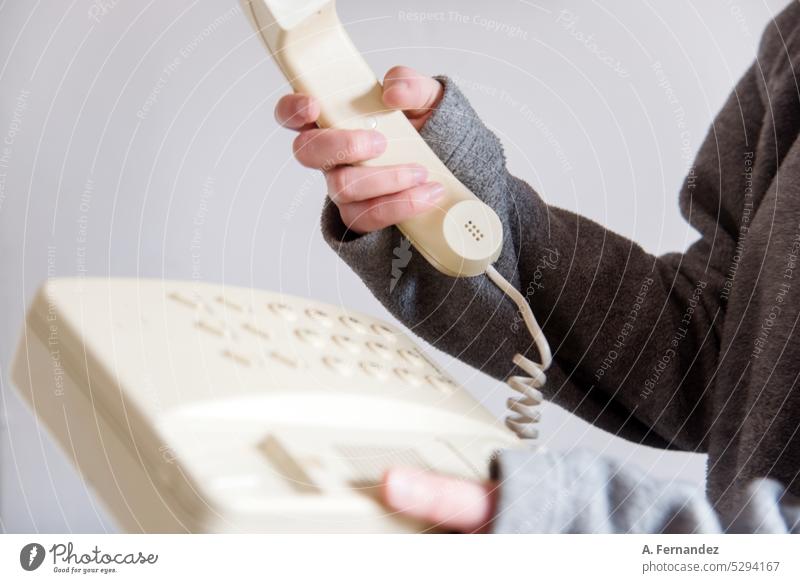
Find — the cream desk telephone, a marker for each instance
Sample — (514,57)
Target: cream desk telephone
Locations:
(202,408)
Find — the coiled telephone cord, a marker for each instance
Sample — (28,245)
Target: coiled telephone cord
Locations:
(525,414)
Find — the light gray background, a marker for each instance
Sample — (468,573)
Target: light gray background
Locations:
(611,141)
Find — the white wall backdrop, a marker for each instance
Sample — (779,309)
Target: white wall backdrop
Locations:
(137,138)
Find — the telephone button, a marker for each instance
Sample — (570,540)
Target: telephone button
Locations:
(408,377)
(319,317)
(286,360)
(337,365)
(228,303)
(347,343)
(441,384)
(283,310)
(385,332)
(353,323)
(374,369)
(413,357)
(309,336)
(237,358)
(380,350)
(188,302)
(213,329)
(256,331)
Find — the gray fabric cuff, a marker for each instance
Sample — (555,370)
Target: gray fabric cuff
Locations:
(467,147)
(531,493)
(582,492)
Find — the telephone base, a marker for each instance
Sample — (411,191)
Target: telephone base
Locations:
(175,404)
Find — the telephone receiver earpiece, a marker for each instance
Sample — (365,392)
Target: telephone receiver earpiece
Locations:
(461,236)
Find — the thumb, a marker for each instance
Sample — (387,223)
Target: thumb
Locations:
(416,94)
(438,500)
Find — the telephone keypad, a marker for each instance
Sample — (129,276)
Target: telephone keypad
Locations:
(384,354)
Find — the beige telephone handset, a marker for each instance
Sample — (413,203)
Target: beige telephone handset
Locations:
(463,236)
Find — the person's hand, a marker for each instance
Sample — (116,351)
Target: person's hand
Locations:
(441,501)
(368,198)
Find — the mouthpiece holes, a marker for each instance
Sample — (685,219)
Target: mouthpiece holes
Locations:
(473,230)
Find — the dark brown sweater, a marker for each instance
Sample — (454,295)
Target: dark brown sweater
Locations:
(696,351)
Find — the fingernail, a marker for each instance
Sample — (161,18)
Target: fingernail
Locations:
(303,107)
(401,86)
(434,192)
(378,142)
(420,174)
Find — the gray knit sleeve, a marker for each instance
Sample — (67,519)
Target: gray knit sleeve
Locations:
(581,492)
